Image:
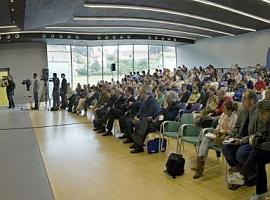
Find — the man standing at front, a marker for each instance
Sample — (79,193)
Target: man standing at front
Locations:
(63,92)
(56,92)
(35,90)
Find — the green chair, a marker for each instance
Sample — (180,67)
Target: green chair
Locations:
(189,133)
(170,129)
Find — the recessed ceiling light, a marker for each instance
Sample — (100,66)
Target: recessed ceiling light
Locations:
(147,20)
(127,27)
(11,26)
(267,1)
(233,10)
(161,10)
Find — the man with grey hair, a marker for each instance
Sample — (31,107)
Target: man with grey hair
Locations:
(259,156)
(149,109)
(237,148)
(150,124)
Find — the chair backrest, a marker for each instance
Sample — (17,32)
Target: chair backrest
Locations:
(182,106)
(196,107)
(187,118)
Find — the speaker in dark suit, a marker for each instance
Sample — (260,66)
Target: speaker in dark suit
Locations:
(113,68)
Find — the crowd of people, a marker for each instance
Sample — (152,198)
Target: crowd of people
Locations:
(235,102)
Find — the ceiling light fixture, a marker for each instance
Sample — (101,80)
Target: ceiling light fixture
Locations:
(166,11)
(147,20)
(127,27)
(69,36)
(233,10)
(267,1)
(11,26)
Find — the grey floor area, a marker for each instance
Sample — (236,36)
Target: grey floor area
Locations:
(22,172)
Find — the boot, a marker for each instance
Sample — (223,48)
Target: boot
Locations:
(200,167)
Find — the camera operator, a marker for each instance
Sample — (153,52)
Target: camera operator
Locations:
(35,90)
(10,87)
(55,92)
(63,92)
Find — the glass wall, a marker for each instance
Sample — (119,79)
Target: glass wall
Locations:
(140,58)
(155,57)
(94,64)
(110,57)
(169,54)
(91,64)
(59,61)
(79,64)
(125,60)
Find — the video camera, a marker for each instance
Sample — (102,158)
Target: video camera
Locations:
(52,79)
(27,82)
(45,74)
(3,81)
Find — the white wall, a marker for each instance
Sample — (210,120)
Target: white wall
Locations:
(23,59)
(245,50)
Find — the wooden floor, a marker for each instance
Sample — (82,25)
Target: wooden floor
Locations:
(82,165)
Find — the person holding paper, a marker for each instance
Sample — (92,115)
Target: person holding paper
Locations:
(226,123)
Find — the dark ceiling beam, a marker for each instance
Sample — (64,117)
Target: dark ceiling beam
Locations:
(17,12)
(37,36)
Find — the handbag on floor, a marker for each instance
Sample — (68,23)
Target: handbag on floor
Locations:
(175,165)
(153,145)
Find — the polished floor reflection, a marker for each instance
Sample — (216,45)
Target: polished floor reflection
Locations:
(83,165)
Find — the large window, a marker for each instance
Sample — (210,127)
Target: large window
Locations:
(125,59)
(109,58)
(79,65)
(59,61)
(92,64)
(140,58)
(155,57)
(169,57)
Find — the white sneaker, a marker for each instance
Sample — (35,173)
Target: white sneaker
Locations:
(236,179)
(264,196)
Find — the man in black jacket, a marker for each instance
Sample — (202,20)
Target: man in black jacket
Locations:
(131,107)
(55,92)
(149,124)
(63,92)
(115,111)
(101,114)
(149,110)
(10,87)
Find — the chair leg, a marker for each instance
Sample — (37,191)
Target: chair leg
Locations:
(181,147)
(177,146)
(196,150)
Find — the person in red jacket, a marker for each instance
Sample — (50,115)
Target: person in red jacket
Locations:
(260,85)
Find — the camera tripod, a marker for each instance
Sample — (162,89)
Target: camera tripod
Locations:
(27,100)
(44,97)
